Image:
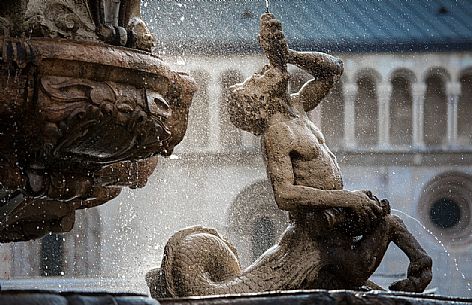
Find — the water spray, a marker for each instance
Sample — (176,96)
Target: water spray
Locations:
(468,284)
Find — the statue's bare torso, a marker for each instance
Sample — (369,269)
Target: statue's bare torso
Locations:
(313,164)
(310,151)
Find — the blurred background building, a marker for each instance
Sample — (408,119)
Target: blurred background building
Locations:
(399,121)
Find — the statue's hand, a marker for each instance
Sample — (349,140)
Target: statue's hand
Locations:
(272,40)
(367,207)
(384,204)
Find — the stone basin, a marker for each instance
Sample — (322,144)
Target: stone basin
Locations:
(76,117)
(312,297)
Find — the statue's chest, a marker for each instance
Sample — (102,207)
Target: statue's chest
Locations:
(310,143)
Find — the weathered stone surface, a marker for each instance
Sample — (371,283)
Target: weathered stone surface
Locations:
(78,121)
(113,21)
(315,297)
(72,298)
(336,238)
(321,297)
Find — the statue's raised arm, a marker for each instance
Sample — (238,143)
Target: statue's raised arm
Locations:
(325,69)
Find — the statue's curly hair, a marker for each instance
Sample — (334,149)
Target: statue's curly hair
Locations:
(250,106)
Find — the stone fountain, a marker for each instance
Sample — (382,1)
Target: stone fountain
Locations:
(85,108)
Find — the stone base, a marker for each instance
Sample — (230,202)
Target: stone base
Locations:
(314,297)
(321,297)
(38,297)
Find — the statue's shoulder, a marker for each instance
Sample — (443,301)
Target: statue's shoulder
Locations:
(281,132)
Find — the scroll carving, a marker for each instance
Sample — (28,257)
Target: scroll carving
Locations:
(80,112)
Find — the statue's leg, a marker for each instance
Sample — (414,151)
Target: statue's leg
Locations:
(366,254)
(419,270)
(353,260)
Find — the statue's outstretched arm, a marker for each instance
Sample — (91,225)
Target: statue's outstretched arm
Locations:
(326,69)
(318,64)
(279,142)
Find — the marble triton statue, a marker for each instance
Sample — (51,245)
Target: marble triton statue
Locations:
(336,238)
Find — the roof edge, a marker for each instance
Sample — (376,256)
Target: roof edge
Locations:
(220,48)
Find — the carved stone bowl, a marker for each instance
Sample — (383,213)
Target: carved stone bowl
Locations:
(76,118)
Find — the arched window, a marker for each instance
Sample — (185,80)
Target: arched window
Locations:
(230,136)
(401,129)
(52,255)
(332,116)
(464,111)
(366,112)
(197,134)
(435,111)
(263,236)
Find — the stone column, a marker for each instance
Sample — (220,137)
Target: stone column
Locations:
(418,90)
(384,91)
(453,93)
(350,94)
